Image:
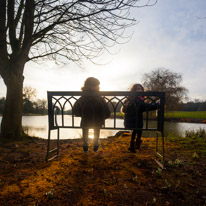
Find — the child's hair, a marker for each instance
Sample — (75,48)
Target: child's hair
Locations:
(135,87)
(91,84)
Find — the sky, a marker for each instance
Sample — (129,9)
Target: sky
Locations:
(170,34)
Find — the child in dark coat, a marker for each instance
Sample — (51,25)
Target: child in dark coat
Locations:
(93,110)
(134,106)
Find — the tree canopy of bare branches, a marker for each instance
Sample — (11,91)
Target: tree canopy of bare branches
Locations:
(59,29)
(164,80)
(54,29)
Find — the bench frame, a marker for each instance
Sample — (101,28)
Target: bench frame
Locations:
(57,101)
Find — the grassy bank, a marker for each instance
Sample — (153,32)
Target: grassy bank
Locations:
(185,114)
(194,116)
(111,177)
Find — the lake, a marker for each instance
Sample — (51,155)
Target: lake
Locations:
(38,126)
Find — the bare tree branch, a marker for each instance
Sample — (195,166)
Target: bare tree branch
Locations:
(75,30)
(59,30)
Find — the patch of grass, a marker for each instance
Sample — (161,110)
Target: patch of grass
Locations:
(195,133)
(185,114)
(176,163)
(118,115)
(193,141)
(159,172)
(167,185)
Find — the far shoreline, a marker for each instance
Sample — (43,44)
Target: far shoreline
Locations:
(186,120)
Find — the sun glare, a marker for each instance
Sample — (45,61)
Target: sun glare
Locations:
(109,76)
(91,133)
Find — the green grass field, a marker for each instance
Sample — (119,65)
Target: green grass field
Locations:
(179,114)
(184,114)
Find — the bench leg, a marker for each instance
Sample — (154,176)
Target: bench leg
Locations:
(48,145)
(160,158)
(58,131)
(56,150)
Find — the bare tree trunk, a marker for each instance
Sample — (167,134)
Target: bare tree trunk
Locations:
(11,126)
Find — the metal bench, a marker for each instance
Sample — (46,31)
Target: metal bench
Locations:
(60,105)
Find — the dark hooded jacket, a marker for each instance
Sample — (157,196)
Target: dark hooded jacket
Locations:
(92,109)
(133,109)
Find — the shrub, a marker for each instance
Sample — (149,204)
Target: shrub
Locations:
(195,133)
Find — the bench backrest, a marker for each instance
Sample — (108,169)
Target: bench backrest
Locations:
(60,106)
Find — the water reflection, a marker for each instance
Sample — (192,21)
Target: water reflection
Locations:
(38,126)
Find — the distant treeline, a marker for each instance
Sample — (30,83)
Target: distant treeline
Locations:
(29,107)
(192,106)
(40,106)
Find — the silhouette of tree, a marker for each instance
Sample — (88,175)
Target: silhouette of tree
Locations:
(57,30)
(41,106)
(29,94)
(164,80)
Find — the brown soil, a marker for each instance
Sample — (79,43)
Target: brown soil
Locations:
(111,176)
